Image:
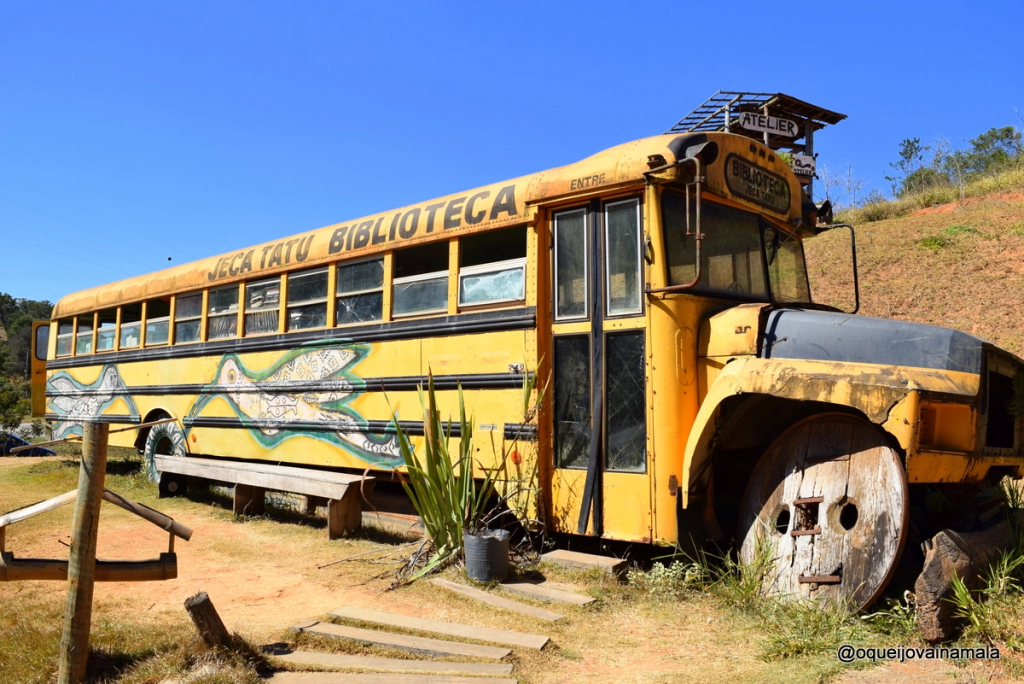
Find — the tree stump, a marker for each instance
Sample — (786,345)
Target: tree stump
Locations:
(207,621)
(948,555)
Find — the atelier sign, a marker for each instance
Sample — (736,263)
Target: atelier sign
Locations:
(763,123)
(803,165)
(750,181)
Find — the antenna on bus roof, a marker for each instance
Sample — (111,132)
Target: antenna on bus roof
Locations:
(780,121)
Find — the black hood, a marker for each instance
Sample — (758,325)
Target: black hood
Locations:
(827,336)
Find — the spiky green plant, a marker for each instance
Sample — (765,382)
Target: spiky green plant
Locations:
(441,485)
(442,489)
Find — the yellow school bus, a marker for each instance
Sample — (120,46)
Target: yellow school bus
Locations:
(696,391)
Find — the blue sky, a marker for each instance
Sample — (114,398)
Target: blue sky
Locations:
(133,132)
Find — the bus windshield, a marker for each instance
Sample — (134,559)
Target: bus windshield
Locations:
(737,248)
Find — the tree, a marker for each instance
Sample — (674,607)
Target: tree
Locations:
(911,159)
(852,185)
(13,407)
(994,150)
(16,316)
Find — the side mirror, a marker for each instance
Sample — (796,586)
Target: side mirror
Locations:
(824,211)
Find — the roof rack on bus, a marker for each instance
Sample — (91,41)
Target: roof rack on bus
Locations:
(780,121)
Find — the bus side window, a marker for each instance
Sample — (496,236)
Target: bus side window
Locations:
(65,336)
(131,325)
(262,306)
(360,292)
(188,316)
(307,299)
(222,313)
(106,335)
(492,267)
(421,280)
(158,321)
(83,338)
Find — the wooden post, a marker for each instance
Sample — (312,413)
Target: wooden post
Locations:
(207,621)
(344,515)
(248,500)
(312,502)
(74,643)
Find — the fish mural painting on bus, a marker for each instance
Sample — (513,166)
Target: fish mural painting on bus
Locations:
(307,392)
(76,402)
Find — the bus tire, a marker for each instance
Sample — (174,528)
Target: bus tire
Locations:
(166,440)
(825,515)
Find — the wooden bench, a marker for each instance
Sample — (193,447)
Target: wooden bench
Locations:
(252,480)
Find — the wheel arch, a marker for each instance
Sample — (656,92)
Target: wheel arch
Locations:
(754,400)
(154,414)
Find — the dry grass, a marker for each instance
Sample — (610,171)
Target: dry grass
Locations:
(1009,181)
(963,269)
(627,635)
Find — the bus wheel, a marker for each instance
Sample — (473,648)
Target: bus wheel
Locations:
(166,440)
(825,514)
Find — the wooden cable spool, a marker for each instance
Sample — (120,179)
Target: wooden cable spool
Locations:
(827,505)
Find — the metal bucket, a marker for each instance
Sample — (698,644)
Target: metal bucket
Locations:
(486,555)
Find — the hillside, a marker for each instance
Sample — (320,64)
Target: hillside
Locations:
(956,266)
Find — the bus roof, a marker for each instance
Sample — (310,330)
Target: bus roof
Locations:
(507,203)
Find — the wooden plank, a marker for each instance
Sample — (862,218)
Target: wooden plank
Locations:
(378,678)
(146,513)
(405,642)
(389,664)
(17,569)
(497,601)
(497,636)
(37,508)
(328,485)
(585,561)
(546,593)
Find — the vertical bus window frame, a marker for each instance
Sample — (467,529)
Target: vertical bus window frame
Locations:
(42,342)
(477,260)
(290,304)
(564,389)
(125,327)
(68,337)
(556,269)
(102,332)
(211,317)
(339,295)
(608,263)
(90,320)
(250,311)
(155,323)
(441,254)
(178,319)
(611,338)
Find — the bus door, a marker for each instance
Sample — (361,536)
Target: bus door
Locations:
(37,366)
(600,483)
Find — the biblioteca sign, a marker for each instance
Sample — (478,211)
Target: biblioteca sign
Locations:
(763,123)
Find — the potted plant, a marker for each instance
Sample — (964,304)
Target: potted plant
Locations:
(455,508)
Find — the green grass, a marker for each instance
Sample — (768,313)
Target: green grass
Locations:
(934,242)
(954,231)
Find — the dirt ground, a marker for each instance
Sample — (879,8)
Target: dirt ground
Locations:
(263,576)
